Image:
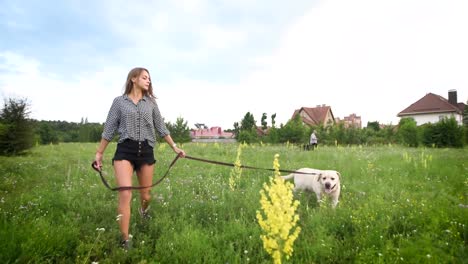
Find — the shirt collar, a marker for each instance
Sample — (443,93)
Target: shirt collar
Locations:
(145,97)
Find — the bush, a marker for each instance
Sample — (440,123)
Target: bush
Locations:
(445,133)
(272,136)
(428,135)
(449,133)
(294,131)
(247,136)
(408,132)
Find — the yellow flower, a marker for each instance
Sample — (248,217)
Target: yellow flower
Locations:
(236,172)
(277,217)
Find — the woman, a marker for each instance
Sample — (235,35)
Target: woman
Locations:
(136,118)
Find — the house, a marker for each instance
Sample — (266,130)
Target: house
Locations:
(213,134)
(432,108)
(350,121)
(314,116)
(262,132)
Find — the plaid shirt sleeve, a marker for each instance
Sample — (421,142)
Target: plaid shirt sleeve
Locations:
(159,124)
(112,121)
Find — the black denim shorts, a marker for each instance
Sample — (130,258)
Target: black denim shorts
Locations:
(136,152)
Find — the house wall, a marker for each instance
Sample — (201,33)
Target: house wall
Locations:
(305,116)
(214,132)
(214,140)
(328,118)
(434,118)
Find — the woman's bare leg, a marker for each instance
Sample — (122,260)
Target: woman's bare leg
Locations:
(123,172)
(145,178)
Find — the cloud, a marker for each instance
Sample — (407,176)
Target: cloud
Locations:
(215,37)
(53,98)
(193,7)
(365,57)
(372,58)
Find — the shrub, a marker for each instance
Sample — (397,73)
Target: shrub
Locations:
(16,133)
(408,132)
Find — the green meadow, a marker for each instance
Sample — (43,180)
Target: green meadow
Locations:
(397,205)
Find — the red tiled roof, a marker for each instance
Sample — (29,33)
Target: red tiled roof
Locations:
(431,103)
(316,115)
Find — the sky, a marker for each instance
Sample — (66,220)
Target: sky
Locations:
(211,62)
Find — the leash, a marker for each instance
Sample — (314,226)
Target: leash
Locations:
(123,188)
(246,167)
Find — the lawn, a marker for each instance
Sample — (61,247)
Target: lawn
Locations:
(397,205)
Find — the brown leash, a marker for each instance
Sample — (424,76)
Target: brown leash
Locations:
(244,166)
(123,188)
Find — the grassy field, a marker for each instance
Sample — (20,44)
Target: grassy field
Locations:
(398,205)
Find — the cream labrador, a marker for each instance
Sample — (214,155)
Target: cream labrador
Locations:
(319,181)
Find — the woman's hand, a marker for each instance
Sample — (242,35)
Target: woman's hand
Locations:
(98,160)
(179,151)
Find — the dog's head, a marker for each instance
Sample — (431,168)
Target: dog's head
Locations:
(329,180)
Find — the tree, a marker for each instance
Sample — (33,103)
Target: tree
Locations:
(16,133)
(248,122)
(236,129)
(373,125)
(248,129)
(47,134)
(180,131)
(272,136)
(294,131)
(465,115)
(338,132)
(273,116)
(264,122)
(465,122)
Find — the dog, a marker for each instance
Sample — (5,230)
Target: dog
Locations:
(321,182)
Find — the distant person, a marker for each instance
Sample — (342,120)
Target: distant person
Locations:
(313,140)
(135,117)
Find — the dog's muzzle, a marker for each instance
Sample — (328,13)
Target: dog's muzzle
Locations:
(329,188)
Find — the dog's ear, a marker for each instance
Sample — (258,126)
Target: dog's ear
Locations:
(319,176)
(339,175)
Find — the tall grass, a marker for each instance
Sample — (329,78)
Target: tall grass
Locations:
(398,205)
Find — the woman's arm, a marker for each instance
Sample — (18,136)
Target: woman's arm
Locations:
(173,145)
(100,152)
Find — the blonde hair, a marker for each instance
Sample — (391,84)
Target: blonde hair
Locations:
(135,72)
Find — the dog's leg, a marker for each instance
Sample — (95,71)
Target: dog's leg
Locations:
(319,198)
(334,202)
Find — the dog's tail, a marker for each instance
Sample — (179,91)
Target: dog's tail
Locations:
(288,177)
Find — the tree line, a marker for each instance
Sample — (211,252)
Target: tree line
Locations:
(445,133)
(18,132)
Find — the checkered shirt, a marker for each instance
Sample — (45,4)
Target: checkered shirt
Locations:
(134,121)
